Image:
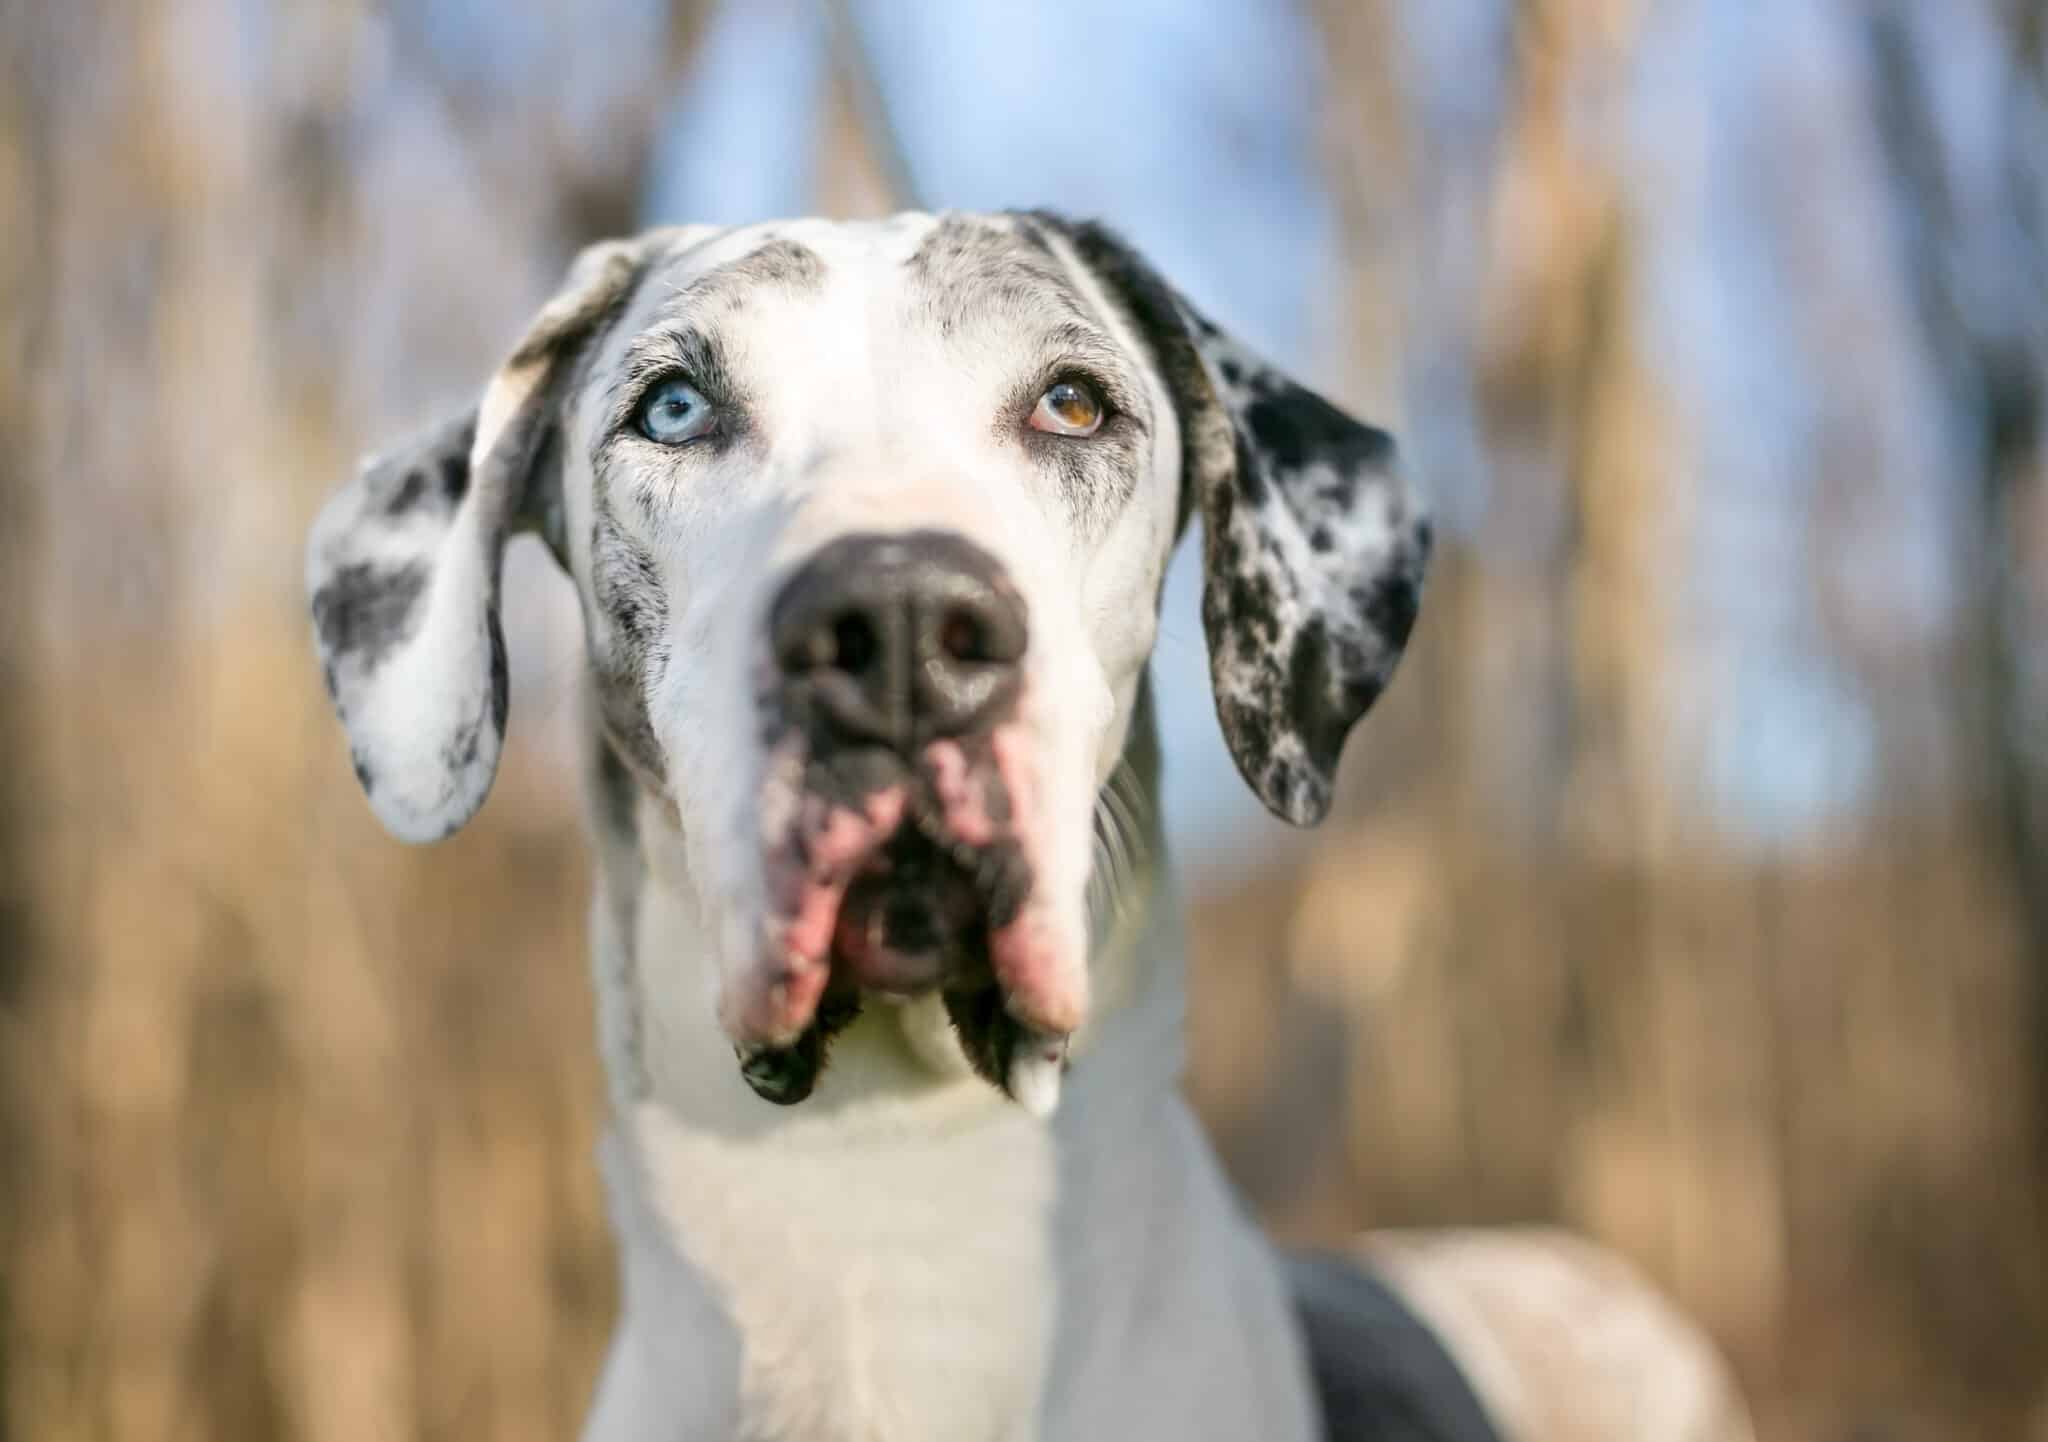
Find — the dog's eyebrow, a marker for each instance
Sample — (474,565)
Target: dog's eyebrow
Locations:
(675,339)
(775,264)
(663,350)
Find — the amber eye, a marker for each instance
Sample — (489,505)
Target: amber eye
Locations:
(1068,408)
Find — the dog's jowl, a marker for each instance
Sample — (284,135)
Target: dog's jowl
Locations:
(868,524)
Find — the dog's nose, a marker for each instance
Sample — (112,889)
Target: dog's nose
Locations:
(901,639)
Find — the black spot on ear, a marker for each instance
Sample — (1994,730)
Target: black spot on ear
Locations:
(1278,432)
(1221,511)
(365,609)
(1294,426)
(460,752)
(1233,373)
(1251,477)
(1321,539)
(501,682)
(1309,694)
(1251,607)
(366,777)
(1249,729)
(408,493)
(454,472)
(1389,604)
(1360,692)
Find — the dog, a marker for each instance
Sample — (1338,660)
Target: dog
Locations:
(869,524)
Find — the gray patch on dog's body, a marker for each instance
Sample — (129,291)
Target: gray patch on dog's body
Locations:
(967,267)
(777,263)
(628,642)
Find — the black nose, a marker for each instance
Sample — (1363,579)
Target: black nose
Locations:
(900,639)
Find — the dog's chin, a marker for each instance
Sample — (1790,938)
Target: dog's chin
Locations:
(893,879)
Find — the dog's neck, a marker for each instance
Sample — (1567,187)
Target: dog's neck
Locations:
(908,1253)
(903,1172)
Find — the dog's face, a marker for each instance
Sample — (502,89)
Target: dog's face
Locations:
(869,524)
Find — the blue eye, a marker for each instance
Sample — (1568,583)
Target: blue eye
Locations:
(672,412)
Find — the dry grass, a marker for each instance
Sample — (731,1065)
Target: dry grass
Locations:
(297,1123)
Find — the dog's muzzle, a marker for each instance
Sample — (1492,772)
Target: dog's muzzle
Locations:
(887,644)
(901,810)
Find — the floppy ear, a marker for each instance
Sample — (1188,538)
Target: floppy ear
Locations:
(402,567)
(1314,545)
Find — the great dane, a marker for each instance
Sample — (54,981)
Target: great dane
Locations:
(869,522)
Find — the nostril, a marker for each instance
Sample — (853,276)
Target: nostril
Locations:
(854,643)
(962,636)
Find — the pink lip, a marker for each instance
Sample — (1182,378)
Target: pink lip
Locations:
(972,804)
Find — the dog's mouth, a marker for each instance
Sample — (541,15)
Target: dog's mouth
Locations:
(894,879)
(916,918)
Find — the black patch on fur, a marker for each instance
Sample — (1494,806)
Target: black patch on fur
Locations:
(987,1035)
(969,267)
(408,493)
(1251,476)
(1308,694)
(1294,426)
(788,1075)
(1390,603)
(1381,1374)
(454,469)
(501,680)
(365,610)
(1250,729)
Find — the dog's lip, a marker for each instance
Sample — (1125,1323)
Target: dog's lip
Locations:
(1006,953)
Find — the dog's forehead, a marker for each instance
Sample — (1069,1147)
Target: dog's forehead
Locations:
(946,271)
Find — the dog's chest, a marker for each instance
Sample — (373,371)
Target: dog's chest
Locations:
(896,1291)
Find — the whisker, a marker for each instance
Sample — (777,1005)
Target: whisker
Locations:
(1120,845)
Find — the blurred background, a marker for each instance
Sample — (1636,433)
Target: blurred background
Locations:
(1690,888)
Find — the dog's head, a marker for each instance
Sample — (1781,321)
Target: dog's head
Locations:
(869,524)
